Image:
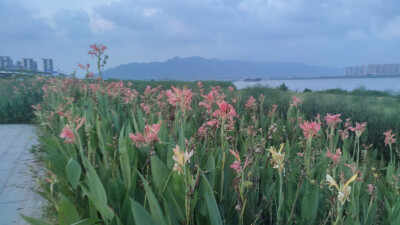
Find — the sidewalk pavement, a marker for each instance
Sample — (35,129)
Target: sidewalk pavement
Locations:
(18,183)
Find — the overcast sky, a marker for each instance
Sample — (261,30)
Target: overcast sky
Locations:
(333,33)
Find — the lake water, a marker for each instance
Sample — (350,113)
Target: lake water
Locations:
(379,84)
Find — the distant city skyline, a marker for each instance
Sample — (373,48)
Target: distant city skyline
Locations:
(6,62)
(321,33)
(372,69)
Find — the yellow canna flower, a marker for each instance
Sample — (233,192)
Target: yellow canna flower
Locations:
(181,158)
(343,191)
(277,157)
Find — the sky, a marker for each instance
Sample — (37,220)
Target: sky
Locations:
(334,33)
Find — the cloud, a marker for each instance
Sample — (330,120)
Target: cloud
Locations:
(73,24)
(98,25)
(390,30)
(18,23)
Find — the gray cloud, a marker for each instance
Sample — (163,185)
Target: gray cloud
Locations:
(19,24)
(329,32)
(73,24)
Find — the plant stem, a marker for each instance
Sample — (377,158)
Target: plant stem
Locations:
(278,216)
(223,161)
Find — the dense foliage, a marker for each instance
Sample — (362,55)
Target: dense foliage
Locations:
(195,156)
(212,156)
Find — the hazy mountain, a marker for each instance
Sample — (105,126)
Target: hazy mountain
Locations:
(198,68)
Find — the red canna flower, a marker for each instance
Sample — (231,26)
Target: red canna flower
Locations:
(336,157)
(150,135)
(359,129)
(236,166)
(208,100)
(68,135)
(250,103)
(296,101)
(332,120)
(225,111)
(179,97)
(310,129)
(389,140)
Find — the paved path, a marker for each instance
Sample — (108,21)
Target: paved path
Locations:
(17,179)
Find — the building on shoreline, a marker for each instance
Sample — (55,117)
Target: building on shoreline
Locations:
(372,69)
(28,64)
(47,65)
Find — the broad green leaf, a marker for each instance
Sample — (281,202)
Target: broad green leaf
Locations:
(141,215)
(212,207)
(160,174)
(155,208)
(95,186)
(87,222)
(106,212)
(124,160)
(73,171)
(34,221)
(67,211)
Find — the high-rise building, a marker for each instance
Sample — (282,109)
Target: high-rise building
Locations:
(378,69)
(397,69)
(371,69)
(29,64)
(348,71)
(6,62)
(47,65)
(363,70)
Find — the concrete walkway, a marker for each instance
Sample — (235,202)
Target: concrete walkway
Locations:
(18,182)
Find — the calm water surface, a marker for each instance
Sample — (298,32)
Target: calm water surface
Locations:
(379,84)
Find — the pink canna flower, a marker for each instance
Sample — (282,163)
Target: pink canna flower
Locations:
(389,140)
(236,166)
(202,131)
(296,101)
(336,157)
(359,129)
(272,112)
(344,134)
(150,135)
(37,107)
(250,103)
(236,154)
(332,120)
(179,97)
(231,88)
(310,129)
(370,189)
(68,135)
(348,123)
(225,110)
(208,100)
(97,49)
(200,86)
(212,122)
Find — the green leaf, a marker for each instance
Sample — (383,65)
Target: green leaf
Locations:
(95,185)
(155,208)
(124,160)
(141,215)
(212,207)
(102,207)
(34,221)
(160,174)
(67,211)
(87,222)
(73,170)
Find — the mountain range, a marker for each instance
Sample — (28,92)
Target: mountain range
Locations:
(198,68)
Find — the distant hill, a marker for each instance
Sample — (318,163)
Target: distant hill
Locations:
(198,68)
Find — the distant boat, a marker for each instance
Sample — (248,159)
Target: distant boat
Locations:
(252,79)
